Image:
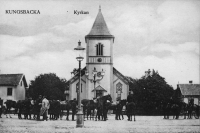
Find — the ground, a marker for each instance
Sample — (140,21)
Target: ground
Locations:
(142,124)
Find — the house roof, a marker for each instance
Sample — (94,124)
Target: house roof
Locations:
(12,79)
(99,88)
(99,27)
(190,89)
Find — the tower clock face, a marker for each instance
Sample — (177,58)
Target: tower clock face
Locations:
(99,60)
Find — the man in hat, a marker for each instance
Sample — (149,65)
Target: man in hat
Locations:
(130,97)
(38,107)
(130,102)
(74,107)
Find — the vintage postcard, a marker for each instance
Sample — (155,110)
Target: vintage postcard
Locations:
(99,66)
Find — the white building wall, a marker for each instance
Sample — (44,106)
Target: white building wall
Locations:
(105,82)
(72,88)
(185,100)
(18,93)
(196,101)
(106,65)
(91,46)
(3,93)
(125,88)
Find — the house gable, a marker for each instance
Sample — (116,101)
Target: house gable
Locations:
(12,79)
(76,76)
(120,76)
(190,89)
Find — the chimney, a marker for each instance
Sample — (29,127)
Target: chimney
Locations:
(190,81)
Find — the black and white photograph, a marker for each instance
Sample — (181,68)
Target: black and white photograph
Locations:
(99,66)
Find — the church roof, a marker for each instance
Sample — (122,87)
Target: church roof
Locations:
(115,71)
(120,76)
(12,79)
(76,76)
(99,27)
(190,89)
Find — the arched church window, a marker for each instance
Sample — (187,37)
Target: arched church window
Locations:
(99,49)
(119,90)
(77,87)
(119,87)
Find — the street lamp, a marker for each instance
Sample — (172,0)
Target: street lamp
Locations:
(95,74)
(79,116)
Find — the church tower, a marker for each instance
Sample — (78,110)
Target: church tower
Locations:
(99,55)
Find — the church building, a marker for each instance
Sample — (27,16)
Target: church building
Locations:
(99,77)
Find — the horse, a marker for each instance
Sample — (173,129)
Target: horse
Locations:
(54,110)
(184,109)
(102,106)
(69,105)
(197,110)
(20,107)
(176,109)
(166,107)
(27,109)
(130,110)
(119,109)
(9,104)
(91,106)
(193,110)
(85,102)
(24,107)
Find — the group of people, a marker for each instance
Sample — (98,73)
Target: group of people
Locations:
(122,105)
(42,106)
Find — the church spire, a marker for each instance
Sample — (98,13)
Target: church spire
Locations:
(99,27)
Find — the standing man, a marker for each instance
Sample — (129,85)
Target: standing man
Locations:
(1,107)
(130,97)
(74,106)
(117,107)
(38,106)
(45,107)
(129,105)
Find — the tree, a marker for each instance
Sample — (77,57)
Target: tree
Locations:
(48,84)
(150,90)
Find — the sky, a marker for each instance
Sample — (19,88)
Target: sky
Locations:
(155,34)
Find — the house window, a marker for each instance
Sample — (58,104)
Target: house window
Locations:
(99,49)
(9,91)
(77,87)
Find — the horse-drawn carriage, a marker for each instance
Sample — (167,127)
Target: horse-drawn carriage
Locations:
(176,109)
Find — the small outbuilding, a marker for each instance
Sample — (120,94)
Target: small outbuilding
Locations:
(13,87)
(189,92)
